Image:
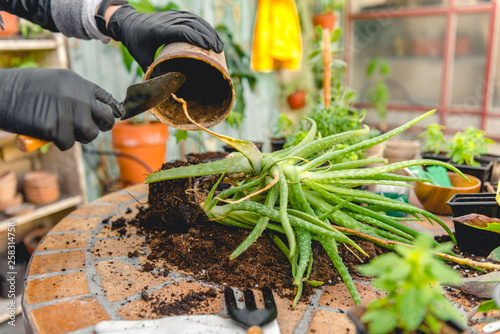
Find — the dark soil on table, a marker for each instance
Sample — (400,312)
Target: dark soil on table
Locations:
(182,238)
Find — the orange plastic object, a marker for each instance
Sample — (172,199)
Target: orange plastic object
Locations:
(28,144)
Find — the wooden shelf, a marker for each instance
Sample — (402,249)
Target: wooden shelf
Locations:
(41,211)
(27,44)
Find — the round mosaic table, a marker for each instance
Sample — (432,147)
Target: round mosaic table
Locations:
(81,274)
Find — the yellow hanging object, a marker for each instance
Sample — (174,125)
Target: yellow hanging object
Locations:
(277,40)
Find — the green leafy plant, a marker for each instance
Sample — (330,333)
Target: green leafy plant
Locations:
(316,60)
(284,126)
(463,147)
(378,94)
(433,138)
(411,279)
(466,145)
(325,6)
(32,30)
(339,117)
(298,195)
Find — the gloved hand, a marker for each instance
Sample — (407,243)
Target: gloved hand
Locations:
(55,105)
(142,34)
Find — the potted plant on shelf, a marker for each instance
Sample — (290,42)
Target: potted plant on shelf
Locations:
(465,150)
(325,13)
(412,280)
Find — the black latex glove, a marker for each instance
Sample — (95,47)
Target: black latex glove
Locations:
(142,34)
(55,105)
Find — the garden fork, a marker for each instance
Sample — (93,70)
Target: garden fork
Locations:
(251,318)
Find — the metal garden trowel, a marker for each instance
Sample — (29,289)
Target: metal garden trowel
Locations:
(140,97)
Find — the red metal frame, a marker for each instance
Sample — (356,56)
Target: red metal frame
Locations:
(451,11)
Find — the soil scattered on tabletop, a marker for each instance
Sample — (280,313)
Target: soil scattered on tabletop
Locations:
(182,238)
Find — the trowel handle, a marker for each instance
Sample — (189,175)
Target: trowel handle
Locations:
(28,144)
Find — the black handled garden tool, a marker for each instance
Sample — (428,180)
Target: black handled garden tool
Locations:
(140,97)
(251,318)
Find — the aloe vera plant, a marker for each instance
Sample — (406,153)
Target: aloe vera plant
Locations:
(298,194)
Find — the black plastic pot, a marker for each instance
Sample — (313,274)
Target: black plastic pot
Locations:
(474,240)
(483,172)
(481,203)
(277,144)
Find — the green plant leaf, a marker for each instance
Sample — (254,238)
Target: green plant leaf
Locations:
(494,255)
(157,53)
(385,68)
(493,227)
(319,32)
(370,69)
(487,306)
(181,135)
(335,35)
(128,60)
(411,309)
(380,321)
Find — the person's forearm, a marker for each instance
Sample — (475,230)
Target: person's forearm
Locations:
(36,11)
(109,12)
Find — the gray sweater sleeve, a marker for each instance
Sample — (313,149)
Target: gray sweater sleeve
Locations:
(76,18)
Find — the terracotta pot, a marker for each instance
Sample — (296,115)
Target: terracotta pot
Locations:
(21,209)
(140,149)
(8,185)
(428,47)
(17,200)
(11,25)
(297,100)
(33,238)
(401,150)
(325,20)
(208,90)
(375,152)
(434,198)
(41,187)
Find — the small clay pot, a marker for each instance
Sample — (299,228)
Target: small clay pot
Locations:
(41,187)
(325,20)
(22,209)
(297,100)
(8,184)
(17,200)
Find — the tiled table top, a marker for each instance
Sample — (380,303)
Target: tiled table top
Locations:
(81,274)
